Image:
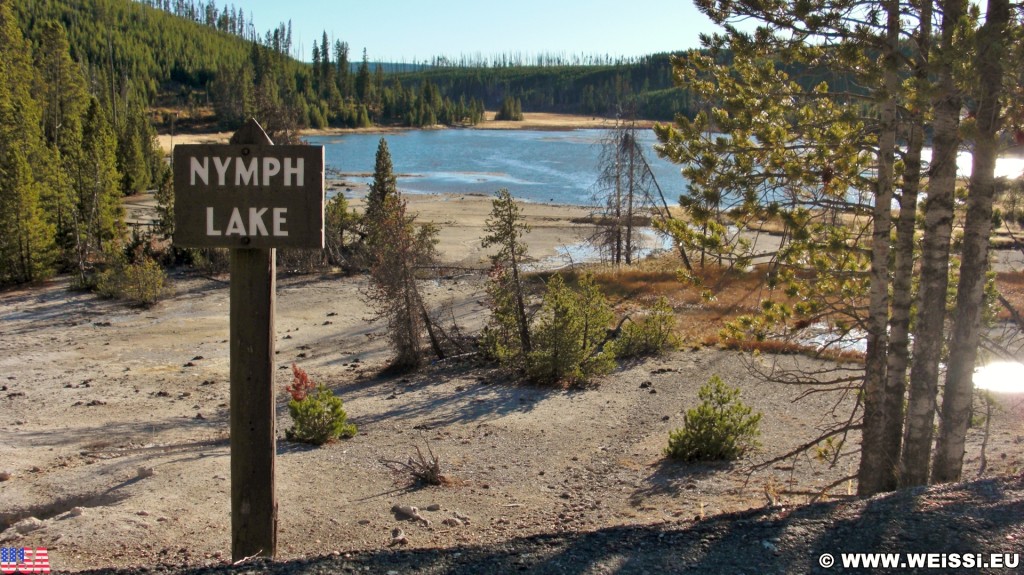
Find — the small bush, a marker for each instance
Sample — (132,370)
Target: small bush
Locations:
(651,335)
(570,332)
(142,282)
(317,415)
(721,428)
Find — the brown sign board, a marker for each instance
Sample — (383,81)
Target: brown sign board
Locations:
(248,196)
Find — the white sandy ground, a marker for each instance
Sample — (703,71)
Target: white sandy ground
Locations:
(116,420)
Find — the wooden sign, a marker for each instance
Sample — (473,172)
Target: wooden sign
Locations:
(248,196)
(253,197)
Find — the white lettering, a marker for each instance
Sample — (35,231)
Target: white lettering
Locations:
(279,218)
(201,170)
(222,169)
(271,167)
(235,224)
(210,231)
(296,170)
(256,227)
(246,175)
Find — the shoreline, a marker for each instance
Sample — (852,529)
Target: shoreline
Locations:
(531,121)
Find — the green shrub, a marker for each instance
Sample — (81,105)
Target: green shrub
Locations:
(142,282)
(317,414)
(570,333)
(721,428)
(651,335)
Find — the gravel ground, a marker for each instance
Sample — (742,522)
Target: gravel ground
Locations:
(977,519)
(115,455)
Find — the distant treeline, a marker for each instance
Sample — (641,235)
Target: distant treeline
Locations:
(189,54)
(646,83)
(194,54)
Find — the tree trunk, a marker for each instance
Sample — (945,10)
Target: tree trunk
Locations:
(629,198)
(521,319)
(903,266)
(931,307)
(435,343)
(875,469)
(956,399)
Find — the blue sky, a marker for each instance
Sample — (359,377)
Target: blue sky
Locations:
(408,30)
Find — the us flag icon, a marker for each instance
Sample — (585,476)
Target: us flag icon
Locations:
(24,560)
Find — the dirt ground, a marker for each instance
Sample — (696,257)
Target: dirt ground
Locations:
(114,448)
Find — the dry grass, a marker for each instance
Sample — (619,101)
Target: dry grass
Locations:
(1011,287)
(699,319)
(424,470)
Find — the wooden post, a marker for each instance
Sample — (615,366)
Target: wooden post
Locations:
(253,433)
(251,197)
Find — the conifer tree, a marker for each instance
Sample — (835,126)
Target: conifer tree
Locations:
(100,216)
(570,334)
(384,186)
(508,337)
(62,91)
(26,238)
(132,161)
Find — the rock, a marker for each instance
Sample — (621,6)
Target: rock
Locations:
(408,513)
(142,513)
(144,472)
(645,385)
(364,521)
(398,537)
(5,475)
(433,507)
(452,522)
(28,525)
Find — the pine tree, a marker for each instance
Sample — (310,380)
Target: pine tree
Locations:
(509,338)
(363,80)
(570,333)
(384,186)
(100,216)
(26,239)
(132,163)
(798,157)
(62,91)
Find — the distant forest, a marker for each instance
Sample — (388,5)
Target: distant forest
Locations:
(192,55)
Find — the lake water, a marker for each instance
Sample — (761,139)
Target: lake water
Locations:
(538,166)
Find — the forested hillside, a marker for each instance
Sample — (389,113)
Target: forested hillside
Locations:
(190,55)
(74,138)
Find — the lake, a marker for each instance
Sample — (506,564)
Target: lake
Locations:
(538,166)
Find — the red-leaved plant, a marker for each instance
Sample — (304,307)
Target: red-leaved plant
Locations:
(301,385)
